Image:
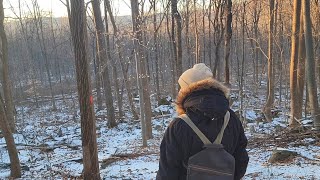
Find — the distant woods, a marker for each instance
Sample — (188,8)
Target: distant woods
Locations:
(264,47)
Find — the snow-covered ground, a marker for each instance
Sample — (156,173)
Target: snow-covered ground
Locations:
(49,145)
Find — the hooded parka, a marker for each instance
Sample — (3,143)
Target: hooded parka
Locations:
(206,103)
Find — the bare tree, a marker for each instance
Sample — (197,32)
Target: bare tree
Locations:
(122,64)
(103,56)
(143,85)
(310,65)
(270,98)
(9,107)
(43,47)
(177,41)
(228,36)
(88,129)
(295,112)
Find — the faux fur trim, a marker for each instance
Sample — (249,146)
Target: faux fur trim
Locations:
(209,83)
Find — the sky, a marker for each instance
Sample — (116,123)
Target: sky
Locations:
(121,7)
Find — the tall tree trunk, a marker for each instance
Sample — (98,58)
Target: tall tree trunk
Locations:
(301,67)
(144,92)
(228,36)
(114,65)
(56,58)
(310,66)
(88,121)
(9,107)
(270,93)
(155,46)
(294,65)
(103,56)
(210,34)
(121,59)
(187,36)
(177,40)
(196,33)
(97,71)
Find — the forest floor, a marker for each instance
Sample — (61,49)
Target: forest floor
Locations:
(49,144)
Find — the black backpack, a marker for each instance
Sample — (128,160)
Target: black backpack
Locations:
(213,162)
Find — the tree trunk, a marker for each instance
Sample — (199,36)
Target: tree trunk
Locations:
(144,92)
(294,65)
(43,47)
(9,107)
(97,71)
(88,121)
(196,33)
(310,65)
(12,150)
(103,56)
(122,65)
(228,36)
(301,68)
(155,46)
(177,40)
(270,99)
(114,65)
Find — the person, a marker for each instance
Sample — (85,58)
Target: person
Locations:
(205,101)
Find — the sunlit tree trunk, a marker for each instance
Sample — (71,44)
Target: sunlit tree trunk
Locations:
(88,121)
(301,81)
(294,65)
(270,93)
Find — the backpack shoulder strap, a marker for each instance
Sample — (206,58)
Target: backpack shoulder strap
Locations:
(225,123)
(203,138)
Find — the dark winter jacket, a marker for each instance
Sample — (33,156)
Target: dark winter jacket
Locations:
(205,103)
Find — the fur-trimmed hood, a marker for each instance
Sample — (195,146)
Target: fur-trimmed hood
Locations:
(205,84)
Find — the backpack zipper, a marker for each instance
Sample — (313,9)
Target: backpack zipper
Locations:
(208,170)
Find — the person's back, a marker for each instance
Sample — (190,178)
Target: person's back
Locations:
(205,101)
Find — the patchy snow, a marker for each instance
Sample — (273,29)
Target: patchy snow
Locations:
(49,144)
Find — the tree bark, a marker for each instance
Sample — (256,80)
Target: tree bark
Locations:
(310,66)
(88,121)
(103,56)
